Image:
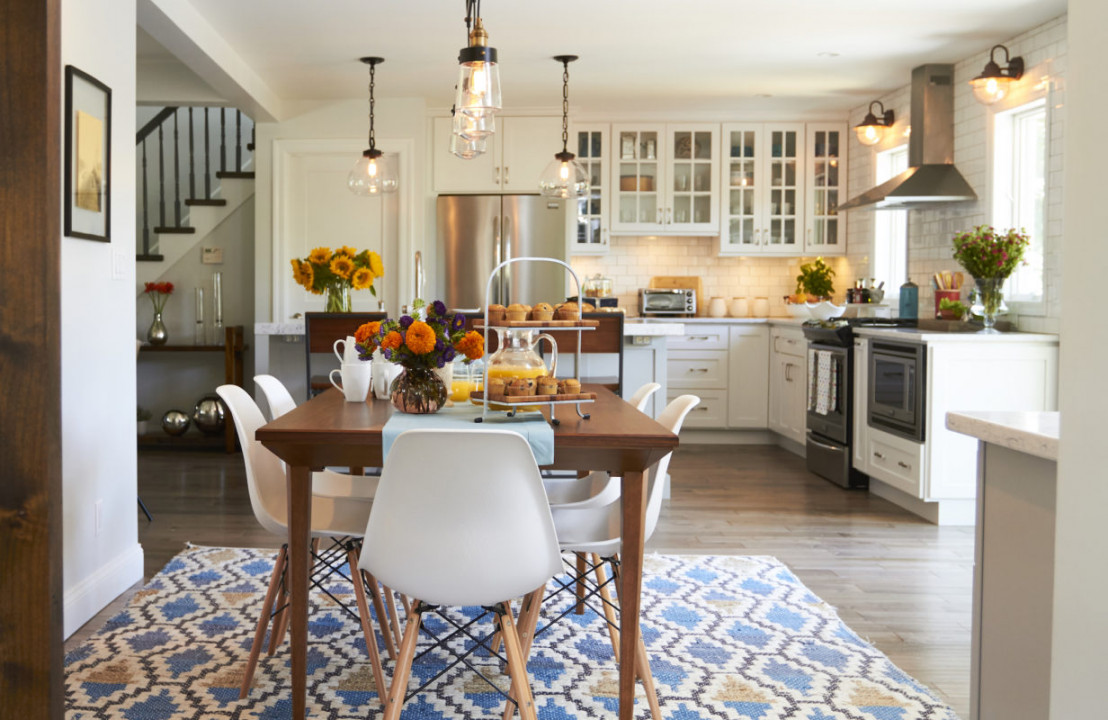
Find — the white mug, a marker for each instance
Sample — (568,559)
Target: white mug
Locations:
(349,353)
(356,378)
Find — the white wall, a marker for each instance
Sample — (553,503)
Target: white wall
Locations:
(930,231)
(97,337)
(1081,539)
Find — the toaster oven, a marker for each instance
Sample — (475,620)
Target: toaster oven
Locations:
(667,302)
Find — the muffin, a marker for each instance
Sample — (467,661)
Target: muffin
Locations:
(496,314)
(516,312)
(520,387)
(569,386)
(495,386)
(566,311)
(542,311)
(547,386)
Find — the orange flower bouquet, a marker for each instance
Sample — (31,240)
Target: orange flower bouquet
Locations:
(335,274)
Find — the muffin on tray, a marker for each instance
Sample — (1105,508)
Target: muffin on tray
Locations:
(569,386)
(547,386)
(521,387)
(542,311)
(495,387)
(516,312)
(497,314)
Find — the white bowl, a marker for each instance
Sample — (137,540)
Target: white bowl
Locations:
(825,310)
(798,310)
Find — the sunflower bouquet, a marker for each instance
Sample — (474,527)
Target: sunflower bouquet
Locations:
(334,274)
(428,343)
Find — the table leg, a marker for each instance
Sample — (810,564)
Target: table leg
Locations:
(633,498)
(300,514)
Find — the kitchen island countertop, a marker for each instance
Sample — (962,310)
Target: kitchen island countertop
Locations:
(1034,433)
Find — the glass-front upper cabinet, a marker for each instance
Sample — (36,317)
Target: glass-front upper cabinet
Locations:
(785,208)
(741,182)
(588,227)
(637,178)
(826,173)
(692,202)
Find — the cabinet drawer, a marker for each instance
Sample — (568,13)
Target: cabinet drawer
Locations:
(899,466)
(700,337)
(710,413)
(789,344)
(688,369)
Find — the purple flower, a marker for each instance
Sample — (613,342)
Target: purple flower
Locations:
(448,354)
(438,308)
(388,353)
(406,321)
(458,322)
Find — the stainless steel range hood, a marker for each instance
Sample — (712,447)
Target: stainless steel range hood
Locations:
(931,178)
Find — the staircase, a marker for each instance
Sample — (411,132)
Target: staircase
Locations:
(183,154)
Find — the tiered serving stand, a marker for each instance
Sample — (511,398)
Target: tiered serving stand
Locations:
(513,403)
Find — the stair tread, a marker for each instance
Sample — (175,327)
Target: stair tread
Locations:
(215,202)
(149,258)
(248,175)
(169,230)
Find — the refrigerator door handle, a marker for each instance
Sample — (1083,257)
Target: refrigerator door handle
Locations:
(506,274)
(497,258)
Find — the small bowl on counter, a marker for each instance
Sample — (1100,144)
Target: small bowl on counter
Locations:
(825,310)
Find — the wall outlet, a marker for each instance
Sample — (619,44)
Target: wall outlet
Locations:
(98,514)
(211,256)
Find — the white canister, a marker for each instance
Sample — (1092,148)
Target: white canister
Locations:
(717,308)
(761,307)
(739,307)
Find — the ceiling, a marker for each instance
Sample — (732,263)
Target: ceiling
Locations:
(723,57)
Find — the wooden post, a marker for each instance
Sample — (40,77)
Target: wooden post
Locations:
(32,679)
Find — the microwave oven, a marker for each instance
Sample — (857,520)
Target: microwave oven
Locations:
(897,392)
(667,301)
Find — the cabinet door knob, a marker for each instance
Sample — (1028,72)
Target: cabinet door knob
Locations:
(659,216)
(496,174)
(878,455)
(669,215)
(507,177)
(903,464)
(604,236)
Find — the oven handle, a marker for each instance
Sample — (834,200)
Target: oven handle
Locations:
(825,446)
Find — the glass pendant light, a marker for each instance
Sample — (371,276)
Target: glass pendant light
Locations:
(992,85)
(564,177)
(478,90)
(872,129)
(374,173)
(474,127)
(467,148)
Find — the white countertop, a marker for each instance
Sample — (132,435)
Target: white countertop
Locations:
(1034,433)
(926,336)
(721,321)
(636,327)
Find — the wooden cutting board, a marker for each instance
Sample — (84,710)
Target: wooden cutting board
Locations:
(682,282)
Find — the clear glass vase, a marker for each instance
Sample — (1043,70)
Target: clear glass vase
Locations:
(991,291)
(336,298)
(418,390)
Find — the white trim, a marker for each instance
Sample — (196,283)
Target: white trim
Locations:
(94,593)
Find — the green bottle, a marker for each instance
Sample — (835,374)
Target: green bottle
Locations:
(909,301)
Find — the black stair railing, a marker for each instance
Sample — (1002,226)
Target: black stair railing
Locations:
(198,159)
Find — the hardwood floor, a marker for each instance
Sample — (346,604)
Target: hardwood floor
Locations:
(901,583)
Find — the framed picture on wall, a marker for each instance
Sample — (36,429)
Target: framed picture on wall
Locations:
(88,132)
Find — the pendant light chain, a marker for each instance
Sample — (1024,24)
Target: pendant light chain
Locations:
(372,86)
(565,105)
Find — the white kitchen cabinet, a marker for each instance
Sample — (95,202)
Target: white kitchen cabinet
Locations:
(748,372)
(859,449)
(664,179)
(588,227)
(763,173)
(788,383)
(825,175)
(517,154)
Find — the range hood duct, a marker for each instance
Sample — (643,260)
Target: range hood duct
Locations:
(931,178)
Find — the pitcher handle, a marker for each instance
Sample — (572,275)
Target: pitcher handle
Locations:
(553,351)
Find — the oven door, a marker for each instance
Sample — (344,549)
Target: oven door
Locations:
(896,388)
(830,372)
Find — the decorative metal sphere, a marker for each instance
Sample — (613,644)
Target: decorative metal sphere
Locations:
(209,415)
(175,422)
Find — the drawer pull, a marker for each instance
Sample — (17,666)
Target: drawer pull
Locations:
(903,464)
(702,409)
(878,455)
(700,338)
(698,369)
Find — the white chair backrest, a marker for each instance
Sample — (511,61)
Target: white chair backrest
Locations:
(461,518)
(640,396)
(277,396)
(671,418)
(265,473)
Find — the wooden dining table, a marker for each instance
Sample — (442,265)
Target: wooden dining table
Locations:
(328,431)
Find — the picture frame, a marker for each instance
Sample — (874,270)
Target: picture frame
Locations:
(88,131)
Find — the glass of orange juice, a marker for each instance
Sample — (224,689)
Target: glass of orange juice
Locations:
(463,384)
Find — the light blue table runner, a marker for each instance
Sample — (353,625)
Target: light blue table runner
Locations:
(531,425)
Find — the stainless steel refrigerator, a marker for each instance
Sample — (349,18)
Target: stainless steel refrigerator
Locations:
(478,232)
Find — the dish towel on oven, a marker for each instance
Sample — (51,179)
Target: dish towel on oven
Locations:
(822,382)
(531,425)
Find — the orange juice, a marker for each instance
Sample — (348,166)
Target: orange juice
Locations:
(460,390)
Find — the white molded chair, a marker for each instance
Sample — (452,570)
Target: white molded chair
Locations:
(596,486)
(593,527)
(326,482)
(335,518)
(454,537)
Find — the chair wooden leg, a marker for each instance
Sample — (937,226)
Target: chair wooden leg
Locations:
(382,620)
(606,600)
(580,609)
(642,661)
(399,687)
(367,628)
(517,664)
(393,619)
(263,621)
(407,605)
(528,620)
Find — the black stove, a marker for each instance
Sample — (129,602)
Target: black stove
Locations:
(840,331)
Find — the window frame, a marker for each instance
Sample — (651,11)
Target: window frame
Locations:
(887,164)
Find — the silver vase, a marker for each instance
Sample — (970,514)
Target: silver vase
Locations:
(157,334)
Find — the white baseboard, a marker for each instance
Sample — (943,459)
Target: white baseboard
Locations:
(95,592)
(939,512)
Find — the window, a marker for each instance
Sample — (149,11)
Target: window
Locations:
(890,246)
(1019,174)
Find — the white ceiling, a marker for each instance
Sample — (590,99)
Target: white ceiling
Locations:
(705,56)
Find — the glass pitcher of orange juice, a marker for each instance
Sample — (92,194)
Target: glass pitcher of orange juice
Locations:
(517,356)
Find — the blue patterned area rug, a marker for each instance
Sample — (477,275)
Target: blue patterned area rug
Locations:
(728,637)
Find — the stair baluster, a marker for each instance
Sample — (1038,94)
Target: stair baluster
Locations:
(161,178)
(207,160)
(176,174)
(238,140)
(145,205)
(192,161)
(222,140)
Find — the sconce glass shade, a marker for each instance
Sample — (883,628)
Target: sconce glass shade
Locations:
(474,127)
(467,149)
(872,129)
(564,177)
(995,82)
(373,174)
(869,134)
(478,75)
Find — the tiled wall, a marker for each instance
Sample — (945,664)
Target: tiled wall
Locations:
(930,231)
(632,261)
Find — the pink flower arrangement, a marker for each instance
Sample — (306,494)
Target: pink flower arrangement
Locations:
(986,253)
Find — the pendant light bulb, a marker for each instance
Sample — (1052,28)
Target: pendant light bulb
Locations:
(374,173)
(564,177)
(478,92)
